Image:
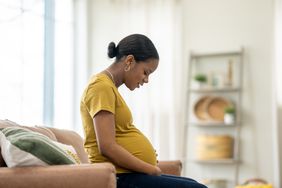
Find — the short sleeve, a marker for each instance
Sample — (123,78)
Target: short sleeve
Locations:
(100,96)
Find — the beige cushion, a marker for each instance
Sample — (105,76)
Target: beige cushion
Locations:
(7,123)
(43,130)
(40,129)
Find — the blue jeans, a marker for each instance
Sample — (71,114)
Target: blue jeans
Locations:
(139,180)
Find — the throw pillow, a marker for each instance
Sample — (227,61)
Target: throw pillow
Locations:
(69,150)
(21,147)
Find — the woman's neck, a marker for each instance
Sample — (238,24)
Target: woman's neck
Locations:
(115,71)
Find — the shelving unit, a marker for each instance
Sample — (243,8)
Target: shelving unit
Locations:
(213,65)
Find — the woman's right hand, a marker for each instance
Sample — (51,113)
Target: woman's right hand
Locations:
(156,171)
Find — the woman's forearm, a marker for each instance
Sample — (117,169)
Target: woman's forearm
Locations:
(123,158)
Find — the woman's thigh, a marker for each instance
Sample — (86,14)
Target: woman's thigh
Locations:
(179,177)
(139,180)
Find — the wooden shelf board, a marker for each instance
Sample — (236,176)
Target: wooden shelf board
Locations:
(207,90)
(212,124)
(214,54)
(217,161)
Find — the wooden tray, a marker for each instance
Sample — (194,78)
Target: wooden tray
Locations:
(200,108)
(215,108)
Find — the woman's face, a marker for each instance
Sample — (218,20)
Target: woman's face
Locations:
(139,73)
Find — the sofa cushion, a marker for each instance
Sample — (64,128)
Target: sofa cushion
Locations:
(40,129)
(21,147)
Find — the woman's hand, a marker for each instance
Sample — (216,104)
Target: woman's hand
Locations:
(156,171)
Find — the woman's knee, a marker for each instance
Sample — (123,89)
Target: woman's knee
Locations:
(201,186)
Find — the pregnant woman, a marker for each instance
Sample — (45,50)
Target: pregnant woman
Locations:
(110,135)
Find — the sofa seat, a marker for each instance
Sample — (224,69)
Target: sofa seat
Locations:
(59,176)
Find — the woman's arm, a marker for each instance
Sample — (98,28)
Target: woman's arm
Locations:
(104,124)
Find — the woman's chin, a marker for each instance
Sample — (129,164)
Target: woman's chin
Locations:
(131,88)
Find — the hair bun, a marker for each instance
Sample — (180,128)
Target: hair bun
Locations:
(112,50)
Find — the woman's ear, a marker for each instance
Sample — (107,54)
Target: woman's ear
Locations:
(129,60)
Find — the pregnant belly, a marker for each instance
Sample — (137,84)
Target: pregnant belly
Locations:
(138,145)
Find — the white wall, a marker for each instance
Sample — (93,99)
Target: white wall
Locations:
(278,97)
(228,24)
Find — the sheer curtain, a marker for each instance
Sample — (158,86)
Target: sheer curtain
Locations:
(157,107)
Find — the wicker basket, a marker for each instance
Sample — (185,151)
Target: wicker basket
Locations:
(255,183)
(213,147)
(255,186)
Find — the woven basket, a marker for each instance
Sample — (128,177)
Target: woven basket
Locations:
(212,147)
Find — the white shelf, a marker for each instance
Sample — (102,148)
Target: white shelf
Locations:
(211,54)
(212,124)
(209,90)
(217,161)
(220,67)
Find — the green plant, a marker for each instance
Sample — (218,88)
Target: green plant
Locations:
(229,110)
(201,78)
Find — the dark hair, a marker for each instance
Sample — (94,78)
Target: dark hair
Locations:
(140,46)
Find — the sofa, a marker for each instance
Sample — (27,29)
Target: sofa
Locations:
(84,175)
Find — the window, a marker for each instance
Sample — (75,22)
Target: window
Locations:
(21,60)
(63,61)
(36,66)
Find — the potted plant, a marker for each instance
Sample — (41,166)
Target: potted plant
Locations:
(201,79)
(229,115)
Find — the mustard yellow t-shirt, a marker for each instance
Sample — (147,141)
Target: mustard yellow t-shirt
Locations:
(102,94)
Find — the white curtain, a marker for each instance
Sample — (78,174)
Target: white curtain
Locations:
(157,107)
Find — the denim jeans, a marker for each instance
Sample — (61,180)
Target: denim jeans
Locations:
(139,180)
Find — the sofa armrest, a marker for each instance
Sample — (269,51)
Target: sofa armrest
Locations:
(171,167)
(59,176)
